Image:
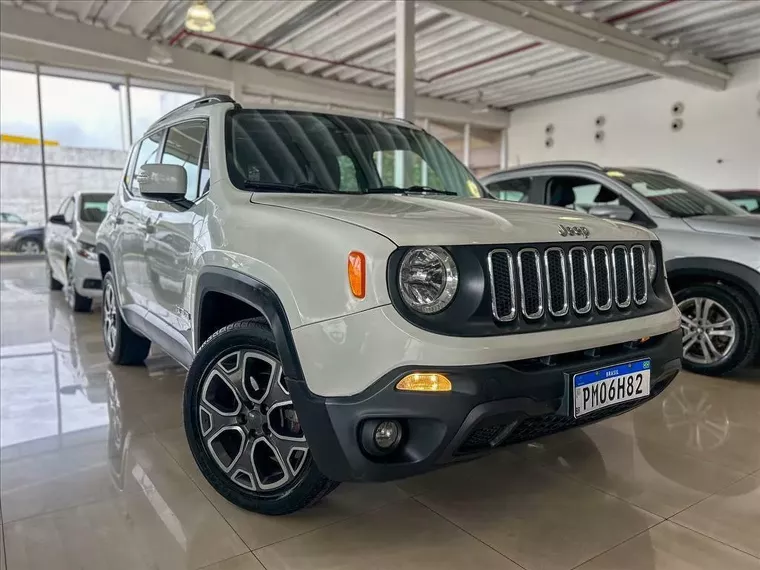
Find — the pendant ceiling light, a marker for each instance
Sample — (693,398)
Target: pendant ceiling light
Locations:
(200,18)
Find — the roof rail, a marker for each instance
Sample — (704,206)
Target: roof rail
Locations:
(581,163)
(195,103)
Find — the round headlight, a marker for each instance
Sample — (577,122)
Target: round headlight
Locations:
(428,279)
(652,264)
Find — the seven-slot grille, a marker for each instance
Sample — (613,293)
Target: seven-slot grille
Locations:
(534,283)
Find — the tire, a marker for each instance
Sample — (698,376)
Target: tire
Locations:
(77,303)
(29,246)
(239,453)
(123,345)
(724,303)
(53,283)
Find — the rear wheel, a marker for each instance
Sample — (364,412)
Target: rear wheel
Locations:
(53,283)
(123,345)
(720,328)
(243,428)
(29,247)
(77,303)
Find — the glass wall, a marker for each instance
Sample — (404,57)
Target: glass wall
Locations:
(20,157)
(86,120)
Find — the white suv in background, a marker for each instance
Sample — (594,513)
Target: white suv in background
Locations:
(351,306)
(72,263)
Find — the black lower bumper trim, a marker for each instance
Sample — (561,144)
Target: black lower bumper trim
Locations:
(489,406)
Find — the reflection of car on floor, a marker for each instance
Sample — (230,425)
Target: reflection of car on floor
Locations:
(70,247)
(339,325)
(30,241)
(746,199)
(711,247)
(78,347)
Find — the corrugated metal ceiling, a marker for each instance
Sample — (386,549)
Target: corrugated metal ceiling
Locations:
(457,58)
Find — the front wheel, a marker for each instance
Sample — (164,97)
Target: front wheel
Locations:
(720,328)
(243,428)
(77,303)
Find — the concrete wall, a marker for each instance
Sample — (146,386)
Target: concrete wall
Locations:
(717,147)
(21,184)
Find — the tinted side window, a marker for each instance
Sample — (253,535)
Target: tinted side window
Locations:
(578,193)
(513,190)
(184,145)
(148,154)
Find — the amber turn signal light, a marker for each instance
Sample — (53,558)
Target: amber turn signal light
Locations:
(424,382)
(357,275)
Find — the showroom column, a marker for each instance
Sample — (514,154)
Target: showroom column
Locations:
(426,126)
(404,75)
(466,145)
(42,142)
(503,149)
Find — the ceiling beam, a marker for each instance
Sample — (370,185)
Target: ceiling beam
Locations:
(40,38)
(559,26)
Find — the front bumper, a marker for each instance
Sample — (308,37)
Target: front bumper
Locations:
(490,405)
(87,277)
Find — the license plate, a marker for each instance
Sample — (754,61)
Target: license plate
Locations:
(611,385)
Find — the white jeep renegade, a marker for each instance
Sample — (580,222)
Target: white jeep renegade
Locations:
(352,306)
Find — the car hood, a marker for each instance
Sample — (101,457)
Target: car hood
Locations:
(417,220)
(731,225)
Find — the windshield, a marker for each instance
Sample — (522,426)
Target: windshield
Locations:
(674,196)
(295,151)
(93,207)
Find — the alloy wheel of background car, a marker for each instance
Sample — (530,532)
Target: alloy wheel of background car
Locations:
(719,328)
(242,426)
(29,247)
(78,303)
(709,332)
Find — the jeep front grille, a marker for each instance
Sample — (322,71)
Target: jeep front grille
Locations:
(557,281)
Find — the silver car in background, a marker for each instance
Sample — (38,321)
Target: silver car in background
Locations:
(711,247)
(72,263)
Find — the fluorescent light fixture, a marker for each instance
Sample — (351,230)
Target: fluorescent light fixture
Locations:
(200,18)
(676,58)
(159,55)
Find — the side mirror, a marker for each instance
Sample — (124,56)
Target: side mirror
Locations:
(58,220)
(612,211)
(162,181)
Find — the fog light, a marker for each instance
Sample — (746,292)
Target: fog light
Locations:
(381,437)
(387,435)
(424,382)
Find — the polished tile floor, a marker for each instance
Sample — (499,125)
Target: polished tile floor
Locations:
(95,473)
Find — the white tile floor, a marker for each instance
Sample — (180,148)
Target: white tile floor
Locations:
(95,473)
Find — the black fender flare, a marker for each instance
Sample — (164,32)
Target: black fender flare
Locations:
(746,278)
(259,296)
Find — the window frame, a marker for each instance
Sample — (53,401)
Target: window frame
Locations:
(204,150)
(160,152)
(70,201)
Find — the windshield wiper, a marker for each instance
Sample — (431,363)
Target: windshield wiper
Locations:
(409,190)
(299,188)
